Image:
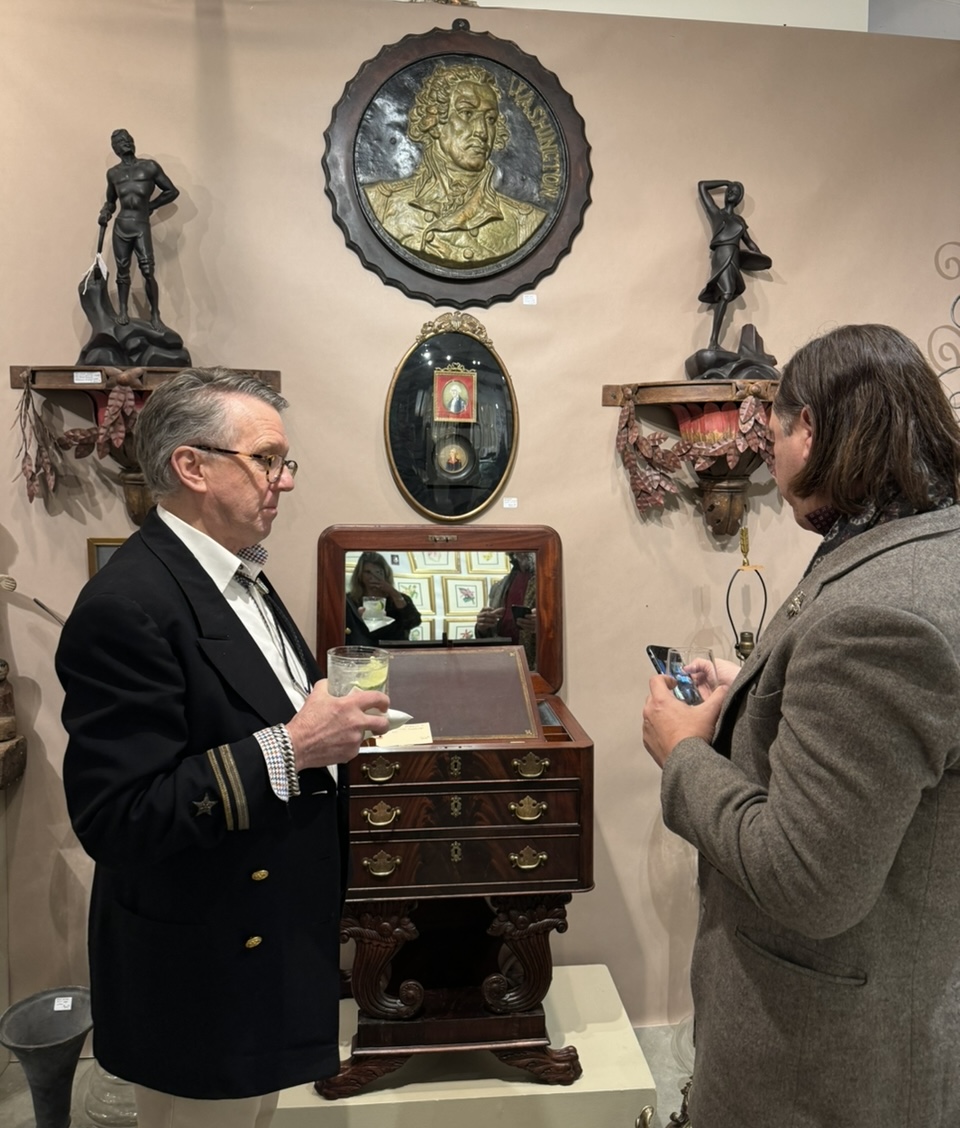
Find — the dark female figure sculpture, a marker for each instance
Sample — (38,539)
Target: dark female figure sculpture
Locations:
(731,252)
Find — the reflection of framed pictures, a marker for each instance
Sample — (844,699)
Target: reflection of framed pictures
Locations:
(459,628)
(436,561)
(423,633)
(454,395)
(99,551)
(389,165)
(419,590)
(488,563)
(463,595)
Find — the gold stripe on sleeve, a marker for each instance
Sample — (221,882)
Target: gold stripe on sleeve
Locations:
(221,784)
(236,783)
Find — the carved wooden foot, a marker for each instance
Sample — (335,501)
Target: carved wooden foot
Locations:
(356,1073)
(553,1067)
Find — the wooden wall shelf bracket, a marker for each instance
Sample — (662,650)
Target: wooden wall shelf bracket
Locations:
(97,384)
(723,435)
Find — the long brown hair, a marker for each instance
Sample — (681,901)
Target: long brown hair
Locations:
(882,423)
(356,580)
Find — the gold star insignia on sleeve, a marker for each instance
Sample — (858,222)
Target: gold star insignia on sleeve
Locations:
(205,805)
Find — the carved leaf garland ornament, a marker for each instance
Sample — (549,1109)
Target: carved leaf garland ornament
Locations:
(650,463)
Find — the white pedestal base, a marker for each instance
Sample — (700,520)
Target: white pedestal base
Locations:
(473,1089)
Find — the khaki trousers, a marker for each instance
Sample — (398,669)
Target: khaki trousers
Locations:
(162,1110)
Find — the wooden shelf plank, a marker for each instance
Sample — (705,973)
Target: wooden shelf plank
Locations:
(690,391)
(87,378)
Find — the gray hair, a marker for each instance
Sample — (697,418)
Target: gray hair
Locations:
(190,409)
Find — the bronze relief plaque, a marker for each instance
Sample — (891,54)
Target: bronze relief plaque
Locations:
(458,167)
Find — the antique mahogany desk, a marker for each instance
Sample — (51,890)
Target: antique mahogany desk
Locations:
(465,850)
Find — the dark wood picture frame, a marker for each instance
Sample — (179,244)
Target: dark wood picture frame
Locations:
(546,165)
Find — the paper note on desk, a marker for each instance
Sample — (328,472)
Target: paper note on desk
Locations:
(406,734)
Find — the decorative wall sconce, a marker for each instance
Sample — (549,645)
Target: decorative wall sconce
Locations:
(723,435)
(117,394)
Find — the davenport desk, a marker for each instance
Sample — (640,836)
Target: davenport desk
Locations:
(465,853)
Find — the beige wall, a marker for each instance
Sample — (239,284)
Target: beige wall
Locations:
(846,145)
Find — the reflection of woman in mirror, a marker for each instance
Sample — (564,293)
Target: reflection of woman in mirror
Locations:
(373,579)
(517,588)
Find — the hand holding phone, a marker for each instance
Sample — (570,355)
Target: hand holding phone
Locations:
(519,612)
(669,661)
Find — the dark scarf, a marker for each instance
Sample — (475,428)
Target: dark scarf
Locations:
(837,528)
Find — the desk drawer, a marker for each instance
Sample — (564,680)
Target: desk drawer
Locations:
(449,764)
(386,811)
(421,866)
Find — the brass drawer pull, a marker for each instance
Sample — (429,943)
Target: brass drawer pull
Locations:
(528,809)
(381,815)
(381,865)
(530,767)
(528,859)
(380,770)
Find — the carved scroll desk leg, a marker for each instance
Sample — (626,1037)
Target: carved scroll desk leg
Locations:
(380,929)
(524,924)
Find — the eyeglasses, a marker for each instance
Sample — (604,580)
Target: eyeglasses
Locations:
(273,464)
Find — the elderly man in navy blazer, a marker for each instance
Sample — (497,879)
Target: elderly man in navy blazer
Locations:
(201,776)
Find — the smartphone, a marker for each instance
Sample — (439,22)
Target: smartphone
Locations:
(685,690)
(518,612)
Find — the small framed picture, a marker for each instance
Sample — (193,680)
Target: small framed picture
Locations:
(488,563)
(423,633)
(419,590)
(454,394)
(460,628)
(463,595)
(99,551)
(436,560)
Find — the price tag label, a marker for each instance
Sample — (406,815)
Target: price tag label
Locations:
(63,1002)
(88,378)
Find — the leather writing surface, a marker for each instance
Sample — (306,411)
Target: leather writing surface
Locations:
(467,693)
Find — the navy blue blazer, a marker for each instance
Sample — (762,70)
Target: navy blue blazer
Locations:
(214,916)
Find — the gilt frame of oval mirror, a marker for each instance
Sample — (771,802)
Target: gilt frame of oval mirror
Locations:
(451,423)
(460,548)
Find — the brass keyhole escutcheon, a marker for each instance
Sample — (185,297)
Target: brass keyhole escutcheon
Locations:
(456,852)
(456,806)
(528,809)
(456,766)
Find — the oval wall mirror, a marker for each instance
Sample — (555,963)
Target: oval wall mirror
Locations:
(451,420)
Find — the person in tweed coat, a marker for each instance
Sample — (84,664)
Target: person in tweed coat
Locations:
(820,783)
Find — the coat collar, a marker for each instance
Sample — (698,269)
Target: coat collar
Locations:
(222,638)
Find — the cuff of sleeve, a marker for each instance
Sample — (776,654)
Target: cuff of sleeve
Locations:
(281,764)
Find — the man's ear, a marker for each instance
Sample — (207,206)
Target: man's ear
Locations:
(188,465)
(805,422)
